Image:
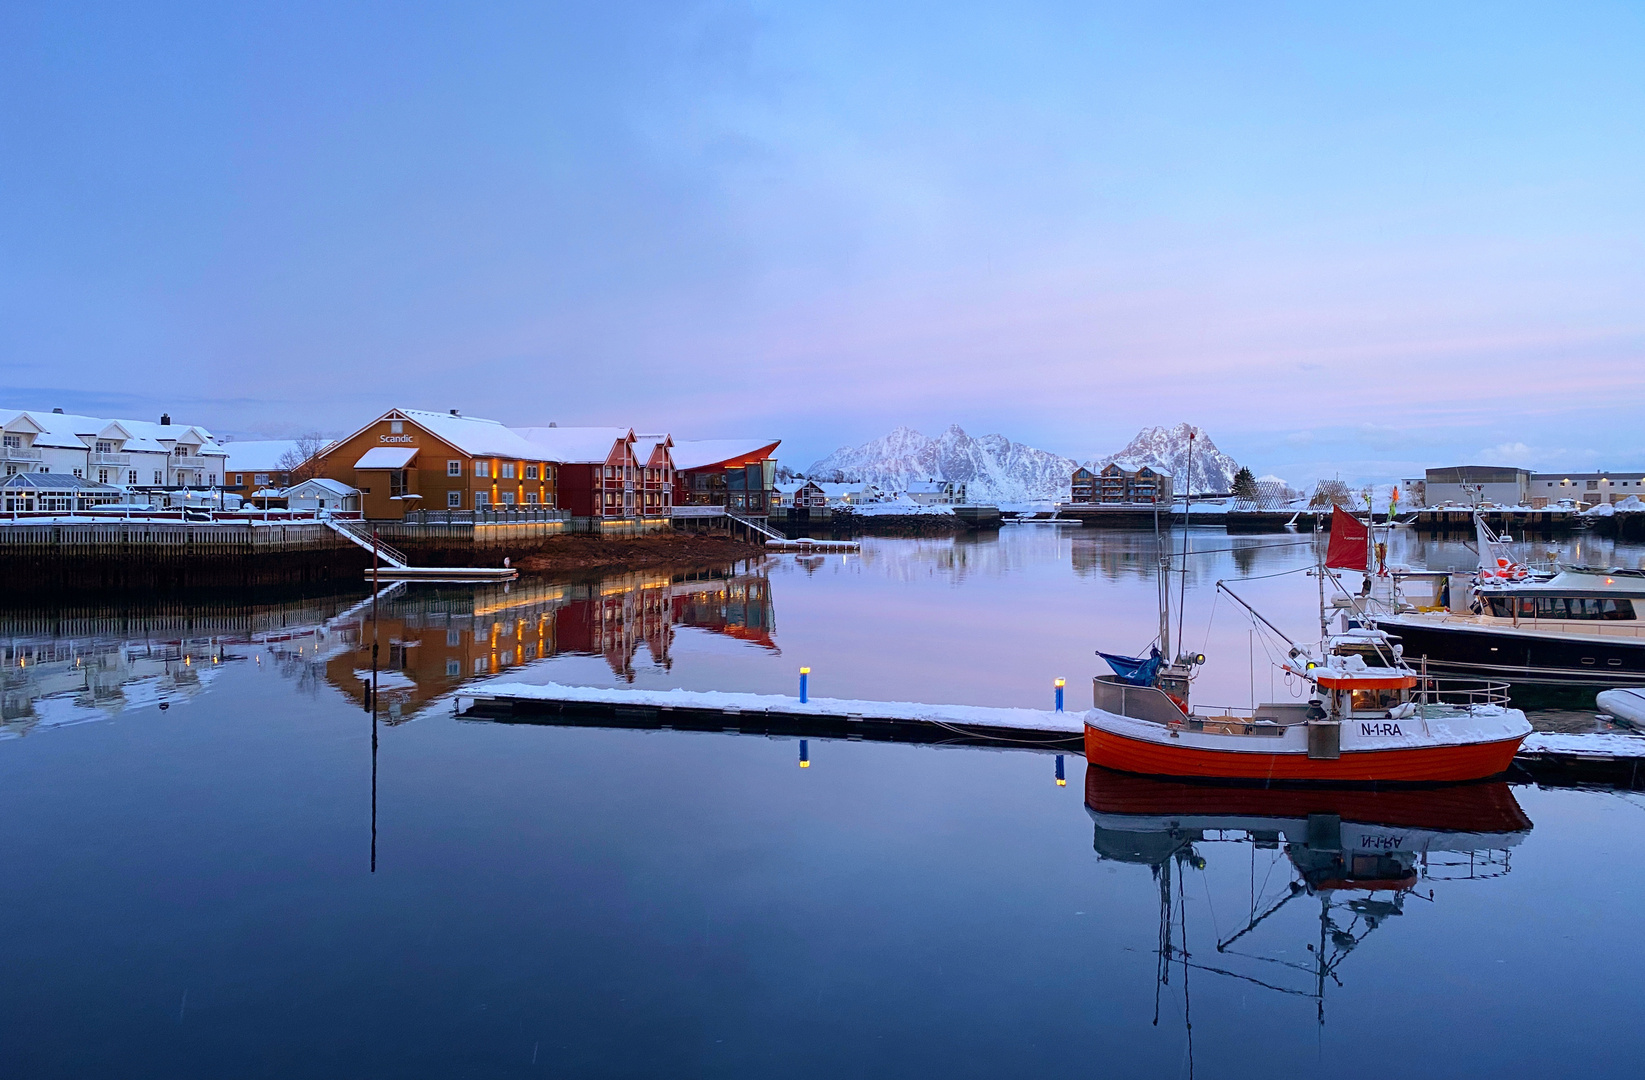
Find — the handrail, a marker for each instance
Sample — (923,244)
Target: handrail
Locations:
(389,555)
(752,524)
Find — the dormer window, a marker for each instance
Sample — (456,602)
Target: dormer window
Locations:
(11,442)
(104,446)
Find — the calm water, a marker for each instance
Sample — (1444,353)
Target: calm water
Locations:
(191,890)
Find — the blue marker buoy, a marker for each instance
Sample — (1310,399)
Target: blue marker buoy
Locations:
(1060,683)
(805,676)
(1061,781)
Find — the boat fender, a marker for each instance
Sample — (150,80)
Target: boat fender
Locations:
(1400,712)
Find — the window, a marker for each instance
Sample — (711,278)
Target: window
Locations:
(13,442)
(531,472)
(1563,607)
(104,447)
(481,499)
(454,499)
(481,663)
(396,482)
(261,479)
(482,468)
(239,479)
(102,476)
(159,476)
(507,470)
(531,496)
(132,476)
(78,472)
(508,498)
(211,479)
(397,427)
(454,667)
(454,638)
(1593,485)
(454,468)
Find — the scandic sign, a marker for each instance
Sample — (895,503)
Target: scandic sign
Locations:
(394,438)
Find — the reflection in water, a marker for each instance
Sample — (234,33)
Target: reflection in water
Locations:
(432,638)
(1357,855)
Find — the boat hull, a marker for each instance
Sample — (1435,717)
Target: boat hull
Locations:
(1410,765)
(1522,656)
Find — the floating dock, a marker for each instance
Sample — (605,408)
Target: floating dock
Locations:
(1553,759)
(808,544)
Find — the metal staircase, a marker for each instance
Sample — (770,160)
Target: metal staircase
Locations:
(347,528)
(750,523)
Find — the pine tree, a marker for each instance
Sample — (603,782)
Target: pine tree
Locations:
(1245,485)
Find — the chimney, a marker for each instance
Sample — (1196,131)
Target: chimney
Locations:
(453,412)
(165,419)
(57,411)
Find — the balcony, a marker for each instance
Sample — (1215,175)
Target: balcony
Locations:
(19,453)
(111,459)
(180,461)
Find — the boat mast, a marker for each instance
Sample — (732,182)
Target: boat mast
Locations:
(1187,507)
(1163,583)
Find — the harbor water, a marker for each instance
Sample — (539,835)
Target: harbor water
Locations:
(219,863)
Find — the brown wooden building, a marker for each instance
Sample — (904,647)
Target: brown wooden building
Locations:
(409,459)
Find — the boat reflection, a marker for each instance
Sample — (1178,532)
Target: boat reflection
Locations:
(87,665)
(1359,856)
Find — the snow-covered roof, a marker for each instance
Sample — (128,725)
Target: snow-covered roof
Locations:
(702,453)
(646,445)
(386,457)
(334,487)
(258,455)
(474,435)
(929,487)
(838,490)
(50,481)
(574,445)
(75,431)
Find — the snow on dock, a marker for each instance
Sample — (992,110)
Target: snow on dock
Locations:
(713,710)
(1547,757)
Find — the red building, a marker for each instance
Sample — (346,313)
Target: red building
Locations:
(607,472)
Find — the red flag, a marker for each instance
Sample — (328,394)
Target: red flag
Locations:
(1348,540)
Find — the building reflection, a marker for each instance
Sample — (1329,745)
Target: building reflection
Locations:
(1315,872)
(93,665)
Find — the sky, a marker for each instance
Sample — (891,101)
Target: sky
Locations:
(1350,240)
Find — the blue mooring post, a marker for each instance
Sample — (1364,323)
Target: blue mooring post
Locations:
(805,754)
(1061,780)
(1060,683)
(805,676)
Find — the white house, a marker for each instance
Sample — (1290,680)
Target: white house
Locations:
(130,454)
(849,494)
(321,494)
(936,493)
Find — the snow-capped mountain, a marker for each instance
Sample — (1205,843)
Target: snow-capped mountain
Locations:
(993,468)
(1166,449)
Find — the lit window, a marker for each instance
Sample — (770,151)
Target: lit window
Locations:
(454,499)
(454,468)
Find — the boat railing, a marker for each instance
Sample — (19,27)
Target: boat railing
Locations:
(1138,702)
(1460,692)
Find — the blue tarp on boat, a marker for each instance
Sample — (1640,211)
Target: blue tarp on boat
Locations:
(1134,671)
